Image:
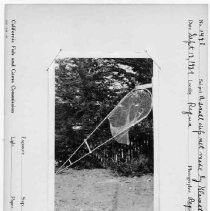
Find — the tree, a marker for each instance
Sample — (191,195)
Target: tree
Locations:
(87,89)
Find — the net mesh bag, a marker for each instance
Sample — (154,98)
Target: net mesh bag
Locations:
(133,108)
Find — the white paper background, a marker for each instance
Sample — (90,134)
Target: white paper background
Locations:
(43,30)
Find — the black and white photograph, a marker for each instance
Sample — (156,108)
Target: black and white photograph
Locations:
(104,134)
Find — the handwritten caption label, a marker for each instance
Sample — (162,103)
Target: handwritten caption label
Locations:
(196,116)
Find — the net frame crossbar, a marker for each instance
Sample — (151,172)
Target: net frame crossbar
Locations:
(62,168)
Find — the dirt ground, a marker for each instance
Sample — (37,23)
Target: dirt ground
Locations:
(99,190)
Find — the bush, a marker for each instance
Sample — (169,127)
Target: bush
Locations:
(136,167)
(88,163)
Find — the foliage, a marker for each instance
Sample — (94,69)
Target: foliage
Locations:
(87,89)
(136,167)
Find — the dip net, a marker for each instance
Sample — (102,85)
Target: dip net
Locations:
(132,109)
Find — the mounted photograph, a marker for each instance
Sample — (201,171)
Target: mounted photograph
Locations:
(105,107)
(104,139)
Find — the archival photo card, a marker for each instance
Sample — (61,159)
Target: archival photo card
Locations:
(105,107)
